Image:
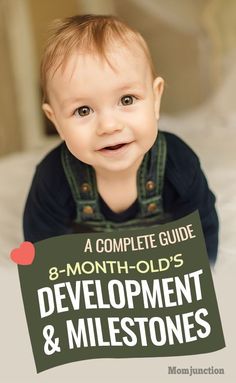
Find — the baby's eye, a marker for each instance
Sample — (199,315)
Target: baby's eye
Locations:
(127,100)
(83,111)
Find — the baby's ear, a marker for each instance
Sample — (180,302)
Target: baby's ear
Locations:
(158,87)
(51,116)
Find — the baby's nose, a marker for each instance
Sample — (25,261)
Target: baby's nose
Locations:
(108,124)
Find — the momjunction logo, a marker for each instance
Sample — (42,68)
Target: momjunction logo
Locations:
(173,370)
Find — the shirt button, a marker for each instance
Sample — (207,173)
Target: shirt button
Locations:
(85,187)
(88,210)
(152,207)
(150,185)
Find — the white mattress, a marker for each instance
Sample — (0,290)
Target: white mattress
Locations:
(215,144)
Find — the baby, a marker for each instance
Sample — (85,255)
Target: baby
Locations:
(113,169)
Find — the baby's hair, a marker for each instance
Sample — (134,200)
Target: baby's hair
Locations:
(87,34)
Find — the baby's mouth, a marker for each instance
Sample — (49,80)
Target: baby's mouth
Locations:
(115,150)
(114,147)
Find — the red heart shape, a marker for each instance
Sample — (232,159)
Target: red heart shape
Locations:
(23,255)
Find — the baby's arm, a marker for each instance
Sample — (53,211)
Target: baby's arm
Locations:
(49,207)
(188,190)
(201,198)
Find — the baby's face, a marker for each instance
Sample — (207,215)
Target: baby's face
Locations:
(107,115)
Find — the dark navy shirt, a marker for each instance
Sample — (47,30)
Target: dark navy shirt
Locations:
(50,208)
